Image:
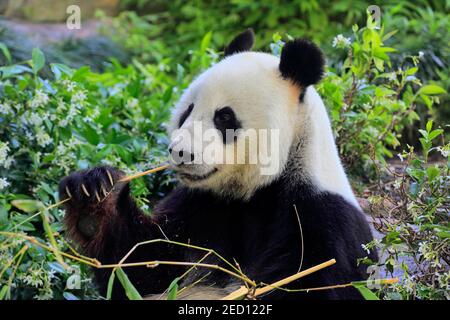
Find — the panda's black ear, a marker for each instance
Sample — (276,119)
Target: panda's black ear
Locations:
(242,42)
(302,62)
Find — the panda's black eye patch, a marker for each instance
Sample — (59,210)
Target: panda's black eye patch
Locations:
(185,114)
(225,119)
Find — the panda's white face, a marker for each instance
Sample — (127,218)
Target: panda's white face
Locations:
(244,91)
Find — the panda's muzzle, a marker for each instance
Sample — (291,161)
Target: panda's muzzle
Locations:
(196,177)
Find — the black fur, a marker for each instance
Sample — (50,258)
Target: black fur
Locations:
(226,122)
(185,115)
(261,234)
(243,42)
(302,62)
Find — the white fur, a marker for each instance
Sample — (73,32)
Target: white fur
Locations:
(251,84)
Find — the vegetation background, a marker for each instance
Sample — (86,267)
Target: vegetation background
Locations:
(103,97)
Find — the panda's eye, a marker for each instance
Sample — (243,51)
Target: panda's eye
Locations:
(225,119)
(185,115)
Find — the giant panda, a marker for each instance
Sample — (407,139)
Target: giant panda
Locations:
(271,225)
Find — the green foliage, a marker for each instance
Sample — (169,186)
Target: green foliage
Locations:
(80,119)
(170,30)
(414,220)
(370,100)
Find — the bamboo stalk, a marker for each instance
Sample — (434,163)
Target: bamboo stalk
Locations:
(141,174)
(241,292)
(294,277)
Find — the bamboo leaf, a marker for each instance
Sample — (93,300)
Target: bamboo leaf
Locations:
(173,290)
(28,206)
(130,290)
(365,292)
(37,59)
(112,277)
(3,292)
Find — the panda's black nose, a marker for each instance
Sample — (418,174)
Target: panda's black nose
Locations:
(181,157)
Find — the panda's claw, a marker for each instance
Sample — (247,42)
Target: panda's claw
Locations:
(83,187)
(103,190)
(110,178)
(68,192)
(97,196)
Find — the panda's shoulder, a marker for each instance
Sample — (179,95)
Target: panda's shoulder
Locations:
(341,218)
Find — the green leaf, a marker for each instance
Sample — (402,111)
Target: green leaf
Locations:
(365,292)
(130,290)
(432,173)
(173,290)
(6,52)
(90,135)
(4,292)
(411,71)
(6,72)
(28,206)
(429,125)
(58,69)
(110,284)
(431,89)
(389,34)
(205,41)
(433,134)
(443,234)
(37,59)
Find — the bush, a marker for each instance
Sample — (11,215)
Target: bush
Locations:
(49,128)
(370,100)
(413,210)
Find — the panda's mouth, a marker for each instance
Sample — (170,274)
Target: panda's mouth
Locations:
(197,177)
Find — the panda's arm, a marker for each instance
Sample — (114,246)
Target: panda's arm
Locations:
(104,220)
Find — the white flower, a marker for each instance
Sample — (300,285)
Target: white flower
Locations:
(5,108)
(397,184)
(4,183)
(40,98)
(445,152)
(78,97)
(392,76)
(61,106)
(35,119)
(421,54)
(341,42)
(18,107)
(43,138)
(4,148)
(8,162)
(365,248)
(70,85)
(132,103)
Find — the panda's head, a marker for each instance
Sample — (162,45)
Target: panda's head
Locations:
(233,127)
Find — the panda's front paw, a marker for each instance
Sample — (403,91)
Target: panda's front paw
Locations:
(88,188)
(93,197)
